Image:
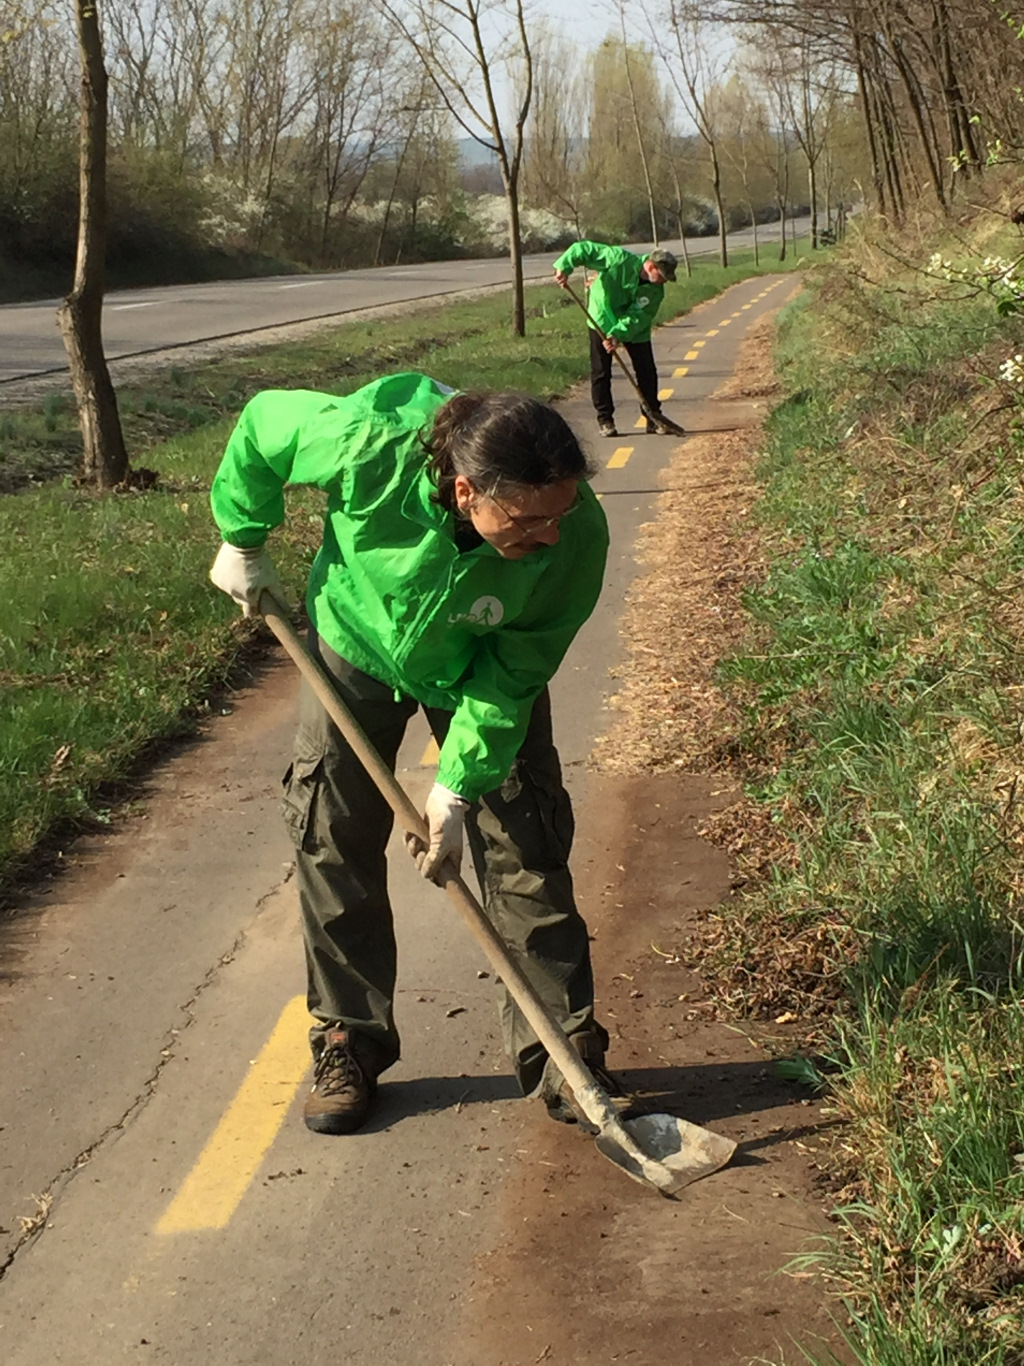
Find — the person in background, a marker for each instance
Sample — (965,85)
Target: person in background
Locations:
(462,550)
(623,302)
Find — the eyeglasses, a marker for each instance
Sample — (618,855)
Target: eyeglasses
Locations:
(534,524)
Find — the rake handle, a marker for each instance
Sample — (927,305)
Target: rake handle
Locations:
(593,1100)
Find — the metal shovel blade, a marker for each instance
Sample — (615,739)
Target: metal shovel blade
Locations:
(663,1151)
(666,427)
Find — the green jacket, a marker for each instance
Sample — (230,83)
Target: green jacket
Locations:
(389,589)
(621,302)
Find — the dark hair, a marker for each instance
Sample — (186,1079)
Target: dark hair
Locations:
(497,440)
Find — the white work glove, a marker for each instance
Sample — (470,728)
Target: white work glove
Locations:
(244,574)
(446,817)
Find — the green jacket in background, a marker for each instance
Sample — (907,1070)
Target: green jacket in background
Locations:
(621,302)
(389,590)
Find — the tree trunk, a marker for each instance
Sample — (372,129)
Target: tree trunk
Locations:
(105,458)
(812,190)
(753,224)
(782,225)
(679,216)
(515,251)
(867,113)
(639,134)
(716,185)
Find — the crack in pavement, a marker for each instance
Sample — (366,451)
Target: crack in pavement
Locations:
(32,1226)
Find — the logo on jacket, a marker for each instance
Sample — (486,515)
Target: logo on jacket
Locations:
(485,611)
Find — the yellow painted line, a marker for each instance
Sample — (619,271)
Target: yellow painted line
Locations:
(735,315)
(746,306)
(214,1187)
(640,422)
(431,754)
(725,322)
(713,332)
(663,394)
(697,345)
(621,455)
(692,355)
(680,371)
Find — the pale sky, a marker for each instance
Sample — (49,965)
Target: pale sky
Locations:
(587,23)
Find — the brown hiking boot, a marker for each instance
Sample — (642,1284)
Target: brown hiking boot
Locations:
(343,1087)
(563,1106)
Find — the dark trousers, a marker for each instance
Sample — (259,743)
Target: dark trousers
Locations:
(519,837)
(641,354)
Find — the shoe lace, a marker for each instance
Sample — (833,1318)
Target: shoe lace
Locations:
(337,1068)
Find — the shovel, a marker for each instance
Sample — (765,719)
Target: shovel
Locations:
(658,1150)
(665,425)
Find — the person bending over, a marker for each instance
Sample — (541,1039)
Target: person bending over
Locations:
(624,299)
(462,550)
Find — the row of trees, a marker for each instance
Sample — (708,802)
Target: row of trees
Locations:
(309,128)
(328,133)
(935,82)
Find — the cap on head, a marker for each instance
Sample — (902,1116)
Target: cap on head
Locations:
(665,262)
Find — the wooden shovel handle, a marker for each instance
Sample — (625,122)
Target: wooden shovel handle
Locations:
(593,1100)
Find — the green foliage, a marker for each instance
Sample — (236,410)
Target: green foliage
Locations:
(882,732)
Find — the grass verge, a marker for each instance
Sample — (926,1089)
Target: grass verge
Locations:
(881,739)
(111,638)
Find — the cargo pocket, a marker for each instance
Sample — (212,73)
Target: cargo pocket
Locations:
(553,810)
(301,788)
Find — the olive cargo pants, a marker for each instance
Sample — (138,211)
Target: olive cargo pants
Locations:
(519,837)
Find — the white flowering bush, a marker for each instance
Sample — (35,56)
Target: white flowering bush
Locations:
(995,276)
(231,215)
(1012,369)
(539,227)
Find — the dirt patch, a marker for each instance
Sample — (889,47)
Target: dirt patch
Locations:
(685,612)
(604,1270)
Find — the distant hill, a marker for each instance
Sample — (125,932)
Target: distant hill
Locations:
(472,155)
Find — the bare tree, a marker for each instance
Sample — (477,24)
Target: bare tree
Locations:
(462,45)
(353,113)
(737,115)
(692,52)
(670,159)
(641,142)
(772,139)
(555,157)
(38,102)
(629,110)
(105,458)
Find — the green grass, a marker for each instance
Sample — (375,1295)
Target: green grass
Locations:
(464,344)
(111,638)
(882,732)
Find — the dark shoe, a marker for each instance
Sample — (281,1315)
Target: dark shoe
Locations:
(563,1106)
(607,428)
(342,1087)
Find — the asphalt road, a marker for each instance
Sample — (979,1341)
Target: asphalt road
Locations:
(143,320)
(160,1199)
